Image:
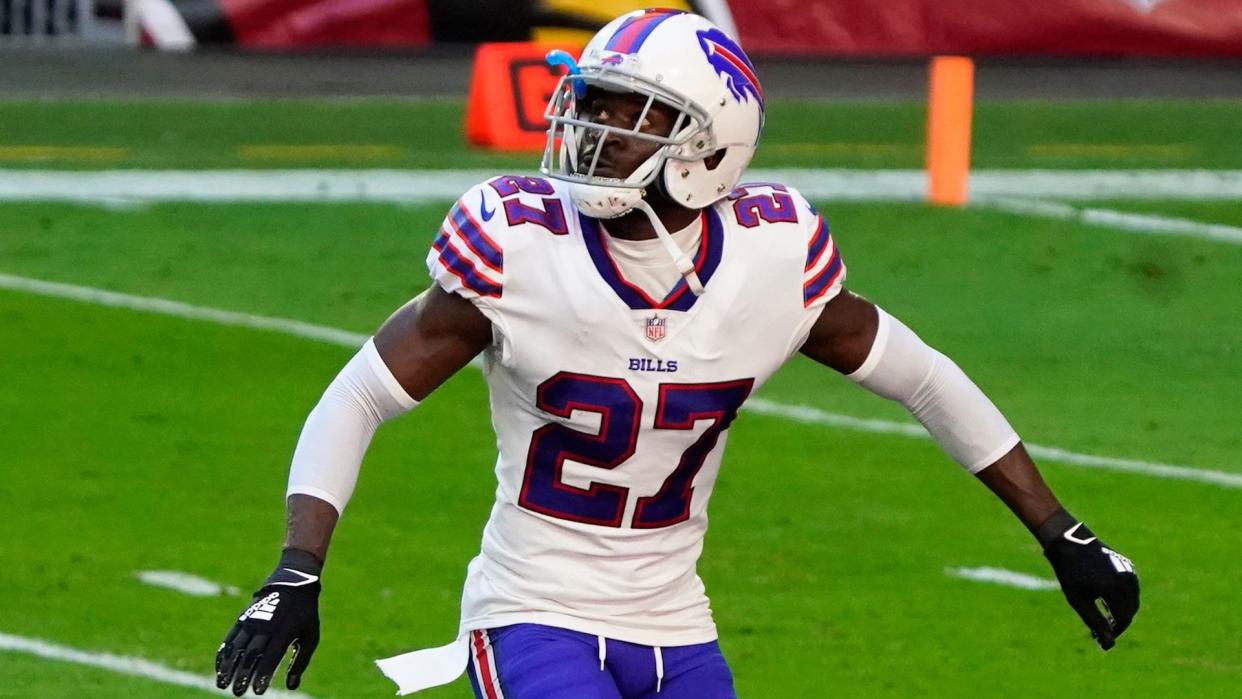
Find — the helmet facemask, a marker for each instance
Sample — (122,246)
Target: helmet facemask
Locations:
(569,135)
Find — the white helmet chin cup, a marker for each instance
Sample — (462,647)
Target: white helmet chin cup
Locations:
(598,201)
(687,64)
(603,201)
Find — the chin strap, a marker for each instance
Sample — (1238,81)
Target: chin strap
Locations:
(683,260)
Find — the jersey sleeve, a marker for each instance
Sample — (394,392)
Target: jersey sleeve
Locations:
(466,258)
(822,270)
(823,275)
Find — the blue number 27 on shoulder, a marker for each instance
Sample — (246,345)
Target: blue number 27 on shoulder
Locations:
(551,216)
(620,410)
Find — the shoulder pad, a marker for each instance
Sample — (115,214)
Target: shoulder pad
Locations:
(530,203)
(468,254)
(758,203)
(823,273)
(466,258)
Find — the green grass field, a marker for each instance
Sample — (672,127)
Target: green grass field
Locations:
(137,441)
(428,134)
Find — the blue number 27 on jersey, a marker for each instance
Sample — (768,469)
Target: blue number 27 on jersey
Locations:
(620,410)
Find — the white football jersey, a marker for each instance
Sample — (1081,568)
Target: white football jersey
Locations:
(610,407)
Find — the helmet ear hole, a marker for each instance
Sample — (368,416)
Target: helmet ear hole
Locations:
(713,161)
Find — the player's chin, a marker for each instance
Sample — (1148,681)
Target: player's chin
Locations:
(602,168)
(610,173)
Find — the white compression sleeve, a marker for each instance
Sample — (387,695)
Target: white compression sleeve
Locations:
(339,430)
(903,368)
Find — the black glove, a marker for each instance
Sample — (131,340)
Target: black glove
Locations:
(284,611)
(1099,583)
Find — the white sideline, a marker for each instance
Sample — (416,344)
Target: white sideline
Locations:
(809,415)
(124,665)
(413,186)
(1000,576)
(762,406)
(185,583)
(1108,218)
(102,297)
(1017,191)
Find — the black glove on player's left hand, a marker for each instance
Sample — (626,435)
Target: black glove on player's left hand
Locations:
(1099,583)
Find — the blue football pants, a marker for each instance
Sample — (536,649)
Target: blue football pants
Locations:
(532,661)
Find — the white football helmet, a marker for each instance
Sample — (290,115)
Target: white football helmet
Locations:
(683,61)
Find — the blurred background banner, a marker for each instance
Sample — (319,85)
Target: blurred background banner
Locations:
(1149,28)
(300,24)
(1049,27)
(1185,28)
(81,21)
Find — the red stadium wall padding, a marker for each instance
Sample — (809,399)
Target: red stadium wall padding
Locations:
(1169,28)
(1189,28)
(299,24)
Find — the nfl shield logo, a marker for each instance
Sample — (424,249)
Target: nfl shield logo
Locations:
(656,327)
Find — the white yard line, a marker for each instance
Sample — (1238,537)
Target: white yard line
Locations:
(124,665)
(102,297)
(809,415)
(185,583)
(1018,191)
(111,186)
(794,413)
(1109,218)
(412,186)
(1000,576)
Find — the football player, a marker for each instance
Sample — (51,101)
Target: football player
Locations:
(626,305)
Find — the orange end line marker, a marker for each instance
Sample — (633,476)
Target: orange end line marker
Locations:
(950,103)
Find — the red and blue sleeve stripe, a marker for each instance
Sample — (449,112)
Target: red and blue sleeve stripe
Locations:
(819,243)
(477,239)
(463,268)
(822,282)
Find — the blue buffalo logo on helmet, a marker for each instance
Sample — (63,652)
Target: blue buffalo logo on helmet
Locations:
(729,60)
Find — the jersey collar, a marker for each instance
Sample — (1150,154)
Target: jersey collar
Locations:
(680,298)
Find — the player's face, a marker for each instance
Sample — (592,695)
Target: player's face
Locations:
(621,153)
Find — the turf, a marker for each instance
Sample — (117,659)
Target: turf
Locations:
(136,441)
(427,134)
(139,441)
(56,679)
(348,265)
(1228,212)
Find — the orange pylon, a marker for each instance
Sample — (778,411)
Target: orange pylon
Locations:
(949,106)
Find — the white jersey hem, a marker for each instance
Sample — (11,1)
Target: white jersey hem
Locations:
(664,639)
